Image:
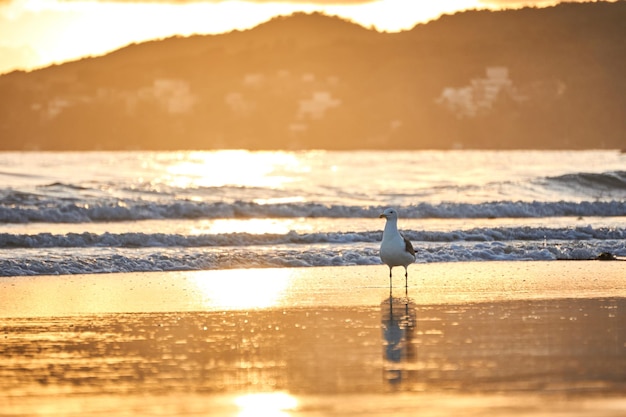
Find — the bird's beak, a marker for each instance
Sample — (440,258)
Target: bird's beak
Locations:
(382,216)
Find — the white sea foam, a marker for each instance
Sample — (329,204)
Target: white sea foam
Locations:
(62,212)
(57,260)
(143,240)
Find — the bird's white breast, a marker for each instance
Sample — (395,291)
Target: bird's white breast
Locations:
(393,250)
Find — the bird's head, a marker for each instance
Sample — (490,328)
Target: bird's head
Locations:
(389,214)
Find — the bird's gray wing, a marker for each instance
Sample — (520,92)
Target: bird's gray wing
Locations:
(408,246)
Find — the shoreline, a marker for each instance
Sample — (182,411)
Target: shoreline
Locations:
(284,288)
(497,338)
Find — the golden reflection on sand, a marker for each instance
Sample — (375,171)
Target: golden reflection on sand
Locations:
(232,290)
(272,404)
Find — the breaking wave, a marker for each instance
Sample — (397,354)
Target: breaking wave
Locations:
(69,212)
(46,254)
(613,180)
(60,261)
(164,240)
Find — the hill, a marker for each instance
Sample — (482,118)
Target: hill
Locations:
(528,78)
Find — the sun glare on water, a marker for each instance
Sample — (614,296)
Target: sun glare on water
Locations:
(236,168)
(252,226)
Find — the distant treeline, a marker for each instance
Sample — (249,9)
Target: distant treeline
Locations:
(530,78)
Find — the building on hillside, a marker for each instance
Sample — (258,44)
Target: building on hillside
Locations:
(481,93)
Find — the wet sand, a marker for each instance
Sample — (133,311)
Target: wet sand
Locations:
(497,338)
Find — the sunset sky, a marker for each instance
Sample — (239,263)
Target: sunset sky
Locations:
(36,33)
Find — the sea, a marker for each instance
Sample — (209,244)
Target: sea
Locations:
(106,212)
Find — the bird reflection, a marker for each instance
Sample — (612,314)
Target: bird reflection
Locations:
(398,316)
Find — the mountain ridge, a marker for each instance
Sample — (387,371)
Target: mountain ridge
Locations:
(527,78)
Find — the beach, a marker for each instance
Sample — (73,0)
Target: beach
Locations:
(465,338)
(171,283)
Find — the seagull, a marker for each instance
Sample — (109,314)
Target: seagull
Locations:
(395,249)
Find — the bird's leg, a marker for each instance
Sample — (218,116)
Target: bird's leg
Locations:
(406,280)
(406,283)
(390,282)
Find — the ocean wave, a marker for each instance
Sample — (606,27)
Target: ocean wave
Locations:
(612,180)
(165,240)
(28,208)
(62,185)
(67,261)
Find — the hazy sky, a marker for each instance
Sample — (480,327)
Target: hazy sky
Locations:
(35,33)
